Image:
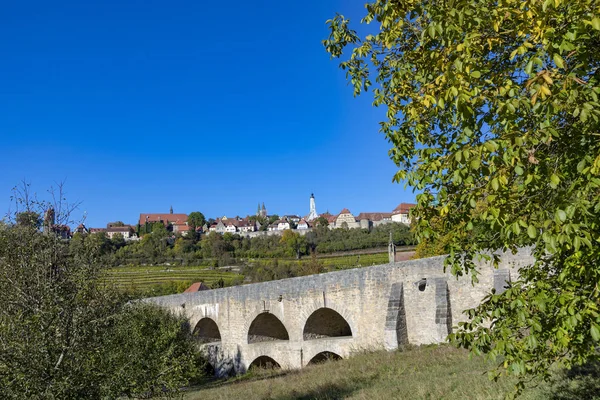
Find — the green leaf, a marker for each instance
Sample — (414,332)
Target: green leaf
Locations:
(495,185)
(555,180)
(562,216)
(595,332)
(596,23)
(558,60)
(518,170)
(531,231)
(476,74)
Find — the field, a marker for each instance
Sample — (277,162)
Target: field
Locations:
(431,372)
(171,278)
(165,279)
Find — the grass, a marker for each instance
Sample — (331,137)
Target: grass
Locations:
(430,372)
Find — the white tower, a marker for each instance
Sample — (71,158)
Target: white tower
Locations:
(313,209)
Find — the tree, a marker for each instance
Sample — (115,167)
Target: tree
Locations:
(116,223)
(65,334)
(196,220)
(322,221)
(294,242)
(496,102)
(29,218)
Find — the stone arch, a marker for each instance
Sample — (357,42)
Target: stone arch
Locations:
(323,357)
(264,362)
(326,322)
(207,331)
(267,327)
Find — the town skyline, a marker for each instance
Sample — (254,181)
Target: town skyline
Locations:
(133,220)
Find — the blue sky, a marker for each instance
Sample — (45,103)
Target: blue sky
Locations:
(205,106)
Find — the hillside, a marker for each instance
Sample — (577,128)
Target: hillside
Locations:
(431,372)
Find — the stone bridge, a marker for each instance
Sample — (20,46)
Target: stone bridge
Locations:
(293,322)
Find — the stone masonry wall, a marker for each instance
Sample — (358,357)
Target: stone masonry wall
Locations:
(385,306)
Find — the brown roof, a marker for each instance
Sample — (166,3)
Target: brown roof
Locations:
(165,218)
(96,230)
(345,211)
(196,287)
(374,216)
(182,227)
(126,228)
(403,208)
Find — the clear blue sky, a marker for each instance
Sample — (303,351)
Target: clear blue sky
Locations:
(205,106)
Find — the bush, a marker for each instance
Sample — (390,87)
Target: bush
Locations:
(66,335)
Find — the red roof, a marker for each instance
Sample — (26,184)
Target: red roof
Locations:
(196,287)
(403,208)
(165,218)
(345,211)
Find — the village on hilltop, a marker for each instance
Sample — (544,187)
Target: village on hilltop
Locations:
(256,225)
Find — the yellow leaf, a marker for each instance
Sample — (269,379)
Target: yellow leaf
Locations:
(545,90)
(547,78)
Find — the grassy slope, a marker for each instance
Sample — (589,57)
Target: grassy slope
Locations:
(432,372)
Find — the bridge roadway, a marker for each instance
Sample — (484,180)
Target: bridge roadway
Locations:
(293,322)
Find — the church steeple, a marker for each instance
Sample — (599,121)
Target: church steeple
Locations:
(312,215)
(171,210)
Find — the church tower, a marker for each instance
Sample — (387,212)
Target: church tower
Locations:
(312,215)
(263,211)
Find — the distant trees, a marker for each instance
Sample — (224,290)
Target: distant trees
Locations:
(196,220)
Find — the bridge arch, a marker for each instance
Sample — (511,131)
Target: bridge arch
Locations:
(264,362)
(207,331)
(326,323)
(267,327)
(323,357)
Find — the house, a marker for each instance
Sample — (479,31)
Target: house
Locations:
(367,220)
(127,231)
(402,213)
(246,225)
(81,228)
(97,230)
(166,218)
(183,229)
(196,287)
(303,224)
(282,225)
(234,225)
(62,231)
(231,226)
(345,219)
(221,227)
(292,218)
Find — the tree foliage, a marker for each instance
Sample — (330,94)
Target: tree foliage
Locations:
(496,103)
(196,220)
(65,335)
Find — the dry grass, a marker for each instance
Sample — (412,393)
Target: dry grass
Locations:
(433,372)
